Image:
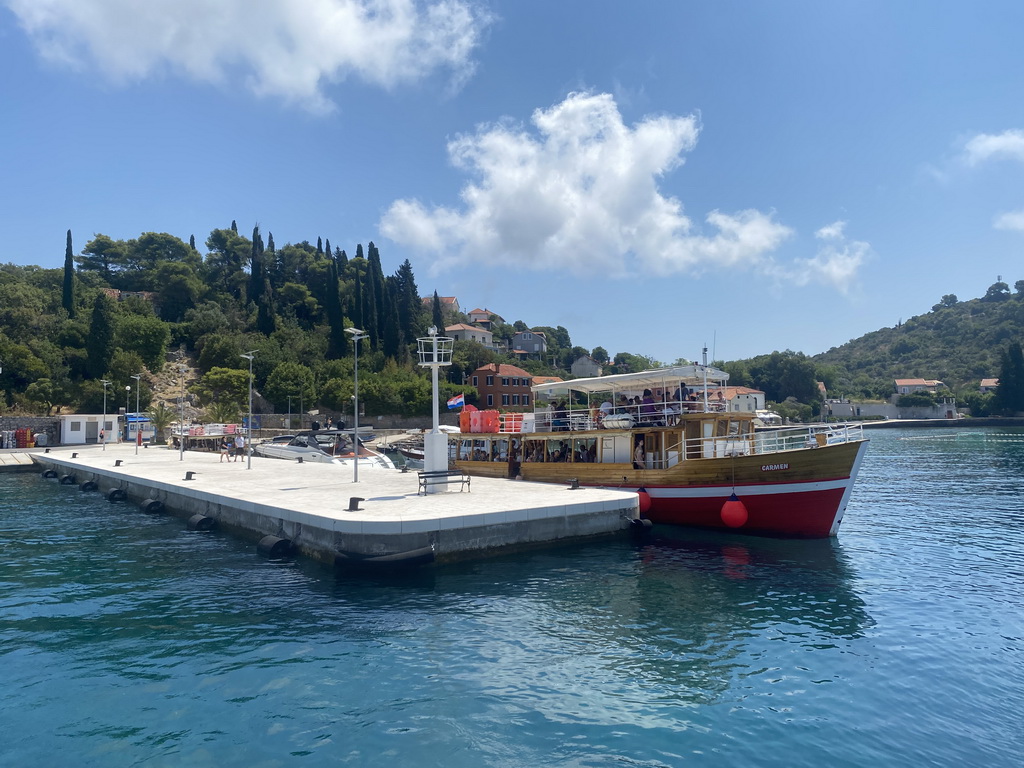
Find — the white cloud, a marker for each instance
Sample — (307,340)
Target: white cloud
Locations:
(1012,220)
(288,49)
(833,231)
(836,263)
(579,192)
(986,145)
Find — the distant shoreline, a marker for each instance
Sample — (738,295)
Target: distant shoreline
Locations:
(985,421)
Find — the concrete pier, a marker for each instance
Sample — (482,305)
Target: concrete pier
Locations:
(322,513)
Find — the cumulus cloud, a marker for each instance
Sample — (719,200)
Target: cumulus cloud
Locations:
(1012,220)
(579,192)
(984,146)
(837,261)
(288,49)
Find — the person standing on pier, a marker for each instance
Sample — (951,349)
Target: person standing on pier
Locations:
(239,446)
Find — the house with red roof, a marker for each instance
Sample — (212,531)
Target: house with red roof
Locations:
(503,386)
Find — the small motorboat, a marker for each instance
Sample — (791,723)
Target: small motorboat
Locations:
(323,448)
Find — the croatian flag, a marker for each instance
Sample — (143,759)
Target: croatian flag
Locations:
(456,402)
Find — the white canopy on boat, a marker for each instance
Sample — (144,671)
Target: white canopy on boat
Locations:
(663,378)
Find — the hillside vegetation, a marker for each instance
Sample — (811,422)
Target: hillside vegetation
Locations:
(958,343)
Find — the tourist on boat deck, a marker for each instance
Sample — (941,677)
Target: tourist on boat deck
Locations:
(639,456)
(558,421)
(648,409)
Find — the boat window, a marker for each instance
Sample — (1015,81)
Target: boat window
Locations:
(558,450)
(481,449)
(534,450)
(500,450)
(584,450)
(721,425)
(734,428)
(465,450)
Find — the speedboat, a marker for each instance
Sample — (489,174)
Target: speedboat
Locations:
(323,448)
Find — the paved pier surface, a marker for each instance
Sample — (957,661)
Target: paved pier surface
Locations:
(308,504)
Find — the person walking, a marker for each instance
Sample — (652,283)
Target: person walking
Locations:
(225,449)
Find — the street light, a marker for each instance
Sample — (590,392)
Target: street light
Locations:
(103,424)
(181,416)
(357,336)
(248,431)
(138,386)
(127,391)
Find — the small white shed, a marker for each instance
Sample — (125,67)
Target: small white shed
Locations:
(83,428)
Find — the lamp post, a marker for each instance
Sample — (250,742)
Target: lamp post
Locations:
(248,428)
(103,424)
(357,336)
(181,416)
(127,392)
(435,351)
(138,386)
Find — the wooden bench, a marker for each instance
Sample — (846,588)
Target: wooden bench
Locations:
(445,476)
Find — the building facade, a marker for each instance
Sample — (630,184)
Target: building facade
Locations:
(503,386)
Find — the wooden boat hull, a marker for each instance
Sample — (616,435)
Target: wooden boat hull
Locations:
(797,493)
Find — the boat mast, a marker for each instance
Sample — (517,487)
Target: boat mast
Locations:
(705,360)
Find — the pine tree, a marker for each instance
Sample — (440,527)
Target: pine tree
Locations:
(68,298)
(407,298)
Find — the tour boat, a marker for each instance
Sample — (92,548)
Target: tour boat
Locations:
(668,435)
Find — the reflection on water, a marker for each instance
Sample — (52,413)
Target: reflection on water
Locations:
(127,639)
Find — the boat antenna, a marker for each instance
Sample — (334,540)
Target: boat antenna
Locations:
(705,359)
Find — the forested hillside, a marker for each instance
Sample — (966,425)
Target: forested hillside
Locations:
(958,342)
(123,308)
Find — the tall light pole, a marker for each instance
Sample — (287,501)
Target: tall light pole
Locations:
(181,417)
(248,430)
(138,386)
(103,424)
(357,336)
(127,392)
(435,351)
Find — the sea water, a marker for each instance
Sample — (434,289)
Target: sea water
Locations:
(127,640)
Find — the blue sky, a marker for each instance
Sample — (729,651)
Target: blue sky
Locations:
(653,176)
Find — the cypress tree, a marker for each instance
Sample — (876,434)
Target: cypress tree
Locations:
(234,226)
(68,298)
(99,346)
(257,273)
(337,344)
(266,321)
(437,316)
(320,246)
(1009,398)
(192,242)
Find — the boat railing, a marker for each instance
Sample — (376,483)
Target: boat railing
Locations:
(577,419)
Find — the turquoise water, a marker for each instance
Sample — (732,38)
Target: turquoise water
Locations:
(127,640)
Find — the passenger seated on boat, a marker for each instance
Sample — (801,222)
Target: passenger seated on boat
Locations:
(648,409)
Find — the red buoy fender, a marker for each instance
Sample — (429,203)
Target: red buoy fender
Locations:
(734,512)
(645,501)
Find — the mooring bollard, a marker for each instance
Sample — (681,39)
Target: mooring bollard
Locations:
(353,503)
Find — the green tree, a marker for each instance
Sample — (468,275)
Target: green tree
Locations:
(1009,395)
(146,336)
(289,379)
(998,291)
(68,298)
(600,355)
(229,385)
(100,344)
(160,416)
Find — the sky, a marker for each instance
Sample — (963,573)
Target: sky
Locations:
(656,177)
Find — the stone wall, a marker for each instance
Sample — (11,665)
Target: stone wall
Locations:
(45,424)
